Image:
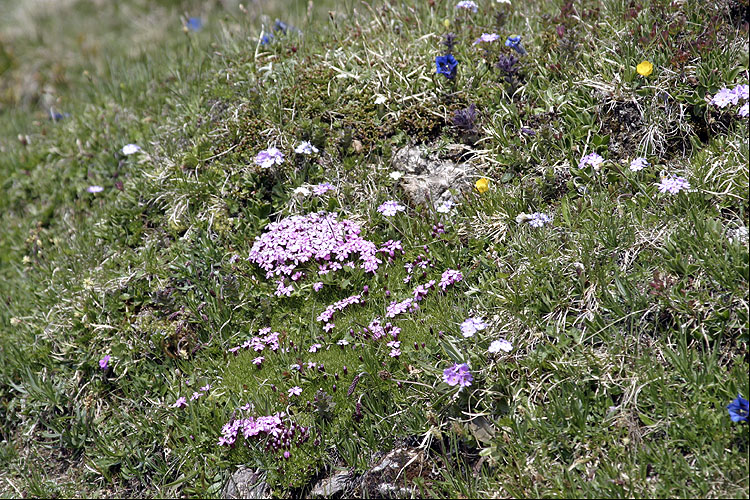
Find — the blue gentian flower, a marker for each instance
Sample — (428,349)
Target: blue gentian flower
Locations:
(446,65)
(194,24)
(514,42)
(738,409)
(280,26)
(266,39)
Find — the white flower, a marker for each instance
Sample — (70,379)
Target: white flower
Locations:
(129,149)
(94,189)
(395,175)
(504,1)
(638,164)
(500,345)
(305,148)
(301,192)
(446,207)
(380,99)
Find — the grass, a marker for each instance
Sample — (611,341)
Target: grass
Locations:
(628,314)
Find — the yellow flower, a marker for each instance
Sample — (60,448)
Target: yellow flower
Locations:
(447,23)
(645,68)
(483,185)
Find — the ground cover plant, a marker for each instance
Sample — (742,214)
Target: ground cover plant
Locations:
(511,236)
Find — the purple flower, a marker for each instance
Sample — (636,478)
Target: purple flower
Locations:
(638,164)
(206,387)
(328,326)
(104,362)
(738,409)
(295,391)
(500,345)
(468,5)
(267,157)
(743,111)
(317,286)
(724,97)
(487,37)
(592,159)
(94,189)
(391,208)
(195,396)
(180,403)
(322,188)
(258,361)
(742,91)
(472,326)
(673,184)
(458,375)
(538,219)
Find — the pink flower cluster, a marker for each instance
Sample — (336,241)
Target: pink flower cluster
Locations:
(378,330)
(182,401)
(450,277)
(281,434)
(316,237)
(265,338)
(327,315)
(390,248)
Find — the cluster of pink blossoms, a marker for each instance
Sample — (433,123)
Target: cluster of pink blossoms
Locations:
(265,338)
(282,435)
(327,315)
(449,277)
(318,237)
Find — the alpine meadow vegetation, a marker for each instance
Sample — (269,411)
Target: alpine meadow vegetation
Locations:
(511,237)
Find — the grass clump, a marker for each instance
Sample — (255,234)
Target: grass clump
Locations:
(569,318)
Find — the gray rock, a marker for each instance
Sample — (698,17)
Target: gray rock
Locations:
(428,178)
(392,476)
(246,483)
(335,486)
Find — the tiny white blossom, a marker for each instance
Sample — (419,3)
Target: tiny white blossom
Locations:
(129,149)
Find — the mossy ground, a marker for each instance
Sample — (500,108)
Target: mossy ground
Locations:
(628,314)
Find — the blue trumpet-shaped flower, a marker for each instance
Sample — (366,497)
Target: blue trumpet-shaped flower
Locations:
(514,42)
(446,65)
(738,409)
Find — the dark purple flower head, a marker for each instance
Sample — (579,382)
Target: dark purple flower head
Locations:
(464,119)
(738,409)
(449,41)
(507,64)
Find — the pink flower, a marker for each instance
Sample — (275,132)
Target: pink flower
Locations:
(104,362)
(295,391)
(391,208)
(180,403)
